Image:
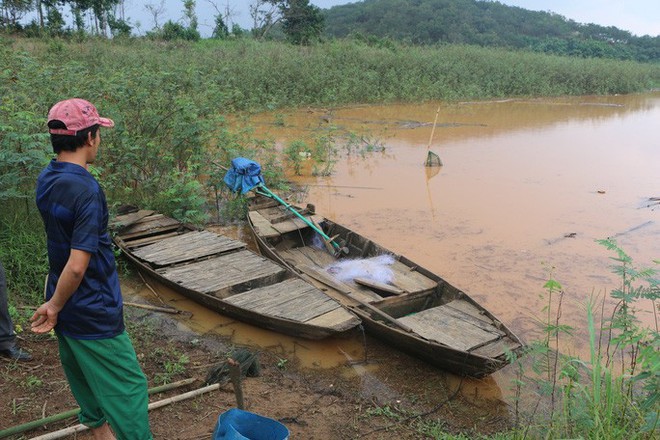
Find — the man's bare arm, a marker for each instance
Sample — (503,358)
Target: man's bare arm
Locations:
(45,317)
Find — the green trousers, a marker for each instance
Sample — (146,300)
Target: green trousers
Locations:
(108,384)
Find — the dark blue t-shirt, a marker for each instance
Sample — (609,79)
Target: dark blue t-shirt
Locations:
(75,214)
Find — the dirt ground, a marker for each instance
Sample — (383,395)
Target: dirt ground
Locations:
(346,402)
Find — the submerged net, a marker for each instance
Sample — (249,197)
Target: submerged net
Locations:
(248,361)
(432,160)
(375,268)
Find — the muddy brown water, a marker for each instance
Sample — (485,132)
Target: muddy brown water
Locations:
(525,189)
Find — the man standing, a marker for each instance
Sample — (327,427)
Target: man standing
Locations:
(84,303)
(8,348)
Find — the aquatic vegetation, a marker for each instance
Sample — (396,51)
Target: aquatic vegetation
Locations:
(615,392)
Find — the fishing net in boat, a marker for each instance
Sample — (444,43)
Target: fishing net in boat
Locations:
(375,268)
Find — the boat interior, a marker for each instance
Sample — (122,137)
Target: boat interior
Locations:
(220,267)
(415,298)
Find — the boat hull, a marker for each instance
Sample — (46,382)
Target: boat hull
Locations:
(153,253)
(431,320)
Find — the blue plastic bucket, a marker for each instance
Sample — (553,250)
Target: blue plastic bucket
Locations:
(237,424)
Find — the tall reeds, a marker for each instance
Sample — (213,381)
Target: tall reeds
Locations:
(615,393)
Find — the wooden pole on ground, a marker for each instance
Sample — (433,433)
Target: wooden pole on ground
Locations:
(235,375)
(71,413)
(79,428)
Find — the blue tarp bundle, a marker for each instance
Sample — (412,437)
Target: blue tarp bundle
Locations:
(244,175)
(237,424)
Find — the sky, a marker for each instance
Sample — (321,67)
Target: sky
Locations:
(640,17)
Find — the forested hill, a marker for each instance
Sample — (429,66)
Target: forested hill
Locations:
(486,23)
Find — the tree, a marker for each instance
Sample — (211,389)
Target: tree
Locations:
(220,30)
(119,27)
(155,10)
(13,11)
(222,19)
(301,22)
(189,14)
(265,14)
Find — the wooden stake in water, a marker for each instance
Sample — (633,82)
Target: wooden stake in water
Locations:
(432,159)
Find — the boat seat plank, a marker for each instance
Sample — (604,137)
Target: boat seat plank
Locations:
(442,325)
(410,281)
(373,284)
(291,299)
(149,223)
(497,348)
(338,318)
(220,274)
(470,309)
(151,239)
(486,325)
(262,226)
(123,221)
(308,255)
(186,247)
(272,212)
(294,224)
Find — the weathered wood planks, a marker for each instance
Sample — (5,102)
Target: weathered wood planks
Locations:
(291,299)
(446,326)
(186,247)
(221,275)
(262,225)
(153,224)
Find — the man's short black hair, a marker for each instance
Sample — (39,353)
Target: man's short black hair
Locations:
(62,142)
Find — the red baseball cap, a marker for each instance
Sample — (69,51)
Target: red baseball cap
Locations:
(77,114)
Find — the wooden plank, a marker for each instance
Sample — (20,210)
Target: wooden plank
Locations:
(320,257)
(294,258)
(470,309)
(292,299)
(271,212)
(295,223)
(287,214)
(438,325)
(262,226)
(150,225)
(186,247)
(496,348)
(339,317)
(221,274)
(152,239)
(378,286)
(410,280)
(123,221)
(307,255)
(484,325)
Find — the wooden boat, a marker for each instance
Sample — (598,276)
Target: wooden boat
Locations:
(417,311)
(223,275)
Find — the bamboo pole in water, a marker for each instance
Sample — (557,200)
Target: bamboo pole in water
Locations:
(432,159)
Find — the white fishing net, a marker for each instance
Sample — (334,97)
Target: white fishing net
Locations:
(375,268)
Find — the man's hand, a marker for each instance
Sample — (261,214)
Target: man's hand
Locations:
(45,318)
